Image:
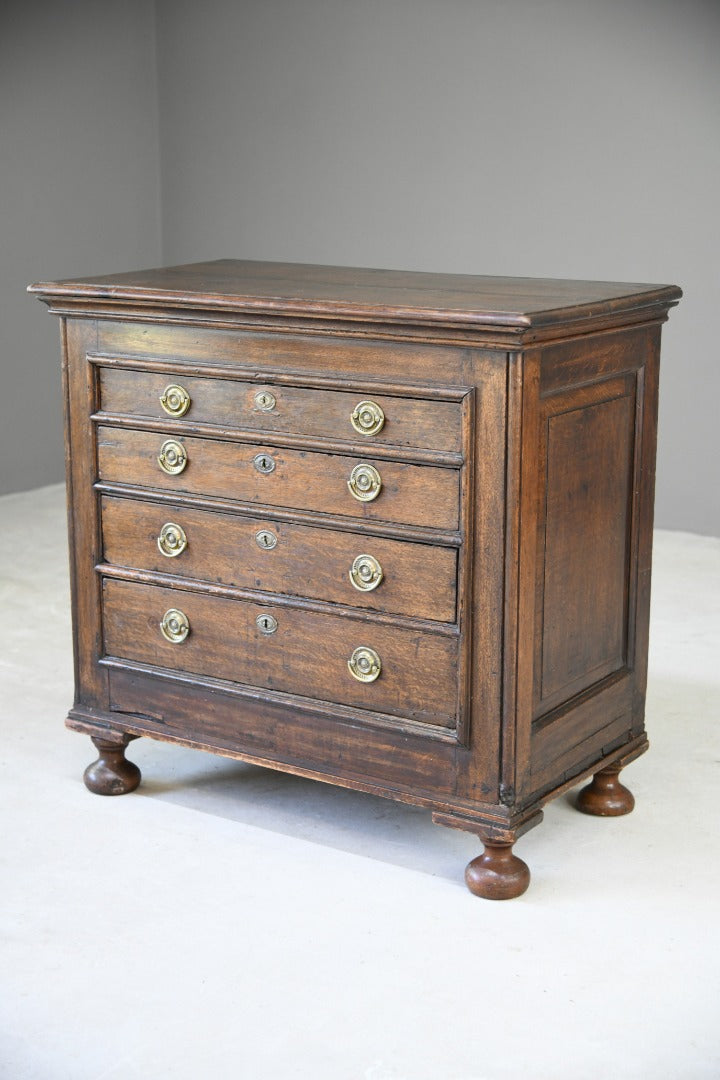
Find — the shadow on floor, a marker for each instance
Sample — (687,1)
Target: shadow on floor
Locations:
(393,832)
(309,810)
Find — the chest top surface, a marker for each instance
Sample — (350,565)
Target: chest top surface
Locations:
(356,293)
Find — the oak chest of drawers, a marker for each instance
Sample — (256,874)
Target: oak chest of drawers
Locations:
(388,530)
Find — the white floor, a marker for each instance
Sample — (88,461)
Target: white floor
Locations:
(230,922)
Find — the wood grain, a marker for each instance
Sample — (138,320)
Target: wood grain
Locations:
(410,766)
(360,293)
(585,569)
(412,494)
(308,654)
(411,369)
(84,528)
(514,528)
(418,580)
(300,410)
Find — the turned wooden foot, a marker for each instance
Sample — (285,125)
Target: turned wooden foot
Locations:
(497,874)
(112,773)
(606,796)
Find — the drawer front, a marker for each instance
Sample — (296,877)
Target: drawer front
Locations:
(420,495)
(271,407)
(280,557)
(307,654)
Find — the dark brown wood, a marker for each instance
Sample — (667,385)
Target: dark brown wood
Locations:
(112,773)
(297,410)
(359,293)
(590,641)
(590,722)
(307,654)
(84,525)
(514,531)
(583,568)
(355,358)
(497,874)
(606,796)
(419,580)
(418,534)
(304,735)
(410,494)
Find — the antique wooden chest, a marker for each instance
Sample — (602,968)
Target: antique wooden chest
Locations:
(388,530)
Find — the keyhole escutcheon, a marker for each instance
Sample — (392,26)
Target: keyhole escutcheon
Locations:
(266,539)
(264,463)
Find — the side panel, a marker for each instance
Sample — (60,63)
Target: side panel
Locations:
(587,444)
(594,461)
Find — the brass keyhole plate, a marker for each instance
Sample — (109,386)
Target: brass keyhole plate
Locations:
(266,539)
(265,401)
(264,463)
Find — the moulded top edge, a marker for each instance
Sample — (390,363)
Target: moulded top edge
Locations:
(394,296)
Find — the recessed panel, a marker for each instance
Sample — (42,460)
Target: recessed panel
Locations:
(586,546)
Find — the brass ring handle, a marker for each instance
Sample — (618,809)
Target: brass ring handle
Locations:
(172,540)
(367,418)
(174,626)
(366,573)
(364,664)
(172,458)
(175,400)
(365,483)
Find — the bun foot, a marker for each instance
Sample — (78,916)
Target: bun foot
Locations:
(606,796)
(112,773)
(497,874)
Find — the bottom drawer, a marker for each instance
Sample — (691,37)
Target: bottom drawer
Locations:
(305,653)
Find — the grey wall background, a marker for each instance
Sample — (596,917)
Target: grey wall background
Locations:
(567,138)
(79,192)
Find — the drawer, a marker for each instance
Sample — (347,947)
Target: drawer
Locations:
(275,407)
(307,654)
(420,495)
(280,557)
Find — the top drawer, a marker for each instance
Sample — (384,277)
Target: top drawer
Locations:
(368,418)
